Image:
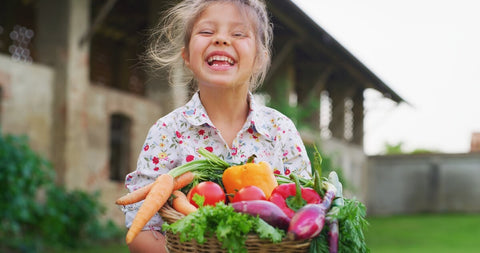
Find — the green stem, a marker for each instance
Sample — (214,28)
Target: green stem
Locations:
(209,156)
(317,184)
(251,158)
(190,166)
(317,172)
(317,162)
(296,202)
(211,162)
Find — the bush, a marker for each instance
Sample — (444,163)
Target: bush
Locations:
(35,213)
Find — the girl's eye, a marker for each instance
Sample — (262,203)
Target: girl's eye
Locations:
(205,32)
(239,34)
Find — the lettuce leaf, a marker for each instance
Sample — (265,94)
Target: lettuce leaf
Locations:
(230,228)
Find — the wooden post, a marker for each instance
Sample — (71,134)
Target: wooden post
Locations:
(358,117)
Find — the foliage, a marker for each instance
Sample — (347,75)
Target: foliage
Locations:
(299,113)
(352,226)
(423,151)
(396,149)
(327,165)
(35,213)
(393,149)
(352,222)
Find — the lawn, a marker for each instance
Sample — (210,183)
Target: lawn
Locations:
(407,234)
(425,233)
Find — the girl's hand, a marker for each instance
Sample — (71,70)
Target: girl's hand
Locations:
(148,241)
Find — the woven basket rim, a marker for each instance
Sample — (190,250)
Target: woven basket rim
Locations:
(252,244)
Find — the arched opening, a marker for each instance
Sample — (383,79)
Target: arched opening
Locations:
(119,146)
(116,45)
(1,105)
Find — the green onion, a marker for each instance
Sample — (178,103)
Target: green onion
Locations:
(209,169)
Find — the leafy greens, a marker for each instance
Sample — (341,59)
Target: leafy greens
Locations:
(230,228)
(352,224)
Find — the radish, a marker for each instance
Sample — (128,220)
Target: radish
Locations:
(309,220)
(333,233)
(266,210)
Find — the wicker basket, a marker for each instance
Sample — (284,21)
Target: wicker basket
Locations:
(212,245)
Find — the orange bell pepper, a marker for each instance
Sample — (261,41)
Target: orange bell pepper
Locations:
(259,174)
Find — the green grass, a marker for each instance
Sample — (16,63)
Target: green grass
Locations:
(424,233)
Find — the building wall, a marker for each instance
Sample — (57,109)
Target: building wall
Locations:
(102,103)
(26,107)
(351,159)
(400,184)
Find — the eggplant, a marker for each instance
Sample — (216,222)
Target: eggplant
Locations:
(308,221)
(266,210)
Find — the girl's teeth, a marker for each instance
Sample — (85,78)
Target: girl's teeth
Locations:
(220,58)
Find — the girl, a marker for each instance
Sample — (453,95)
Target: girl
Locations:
(222,46)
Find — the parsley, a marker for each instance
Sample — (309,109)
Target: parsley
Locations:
(352,224)
(230,228)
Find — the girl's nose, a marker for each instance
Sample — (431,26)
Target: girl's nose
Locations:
(221,40)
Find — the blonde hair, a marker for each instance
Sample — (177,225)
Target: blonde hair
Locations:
(174,31)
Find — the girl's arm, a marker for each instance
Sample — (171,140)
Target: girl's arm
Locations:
(148,241)
(152,162)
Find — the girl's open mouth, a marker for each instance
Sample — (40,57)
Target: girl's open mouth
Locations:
(220,60)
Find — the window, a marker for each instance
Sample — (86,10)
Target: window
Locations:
(348,119)
(1,106)
(325,115)
(119,146)
(17,25)
(116,45)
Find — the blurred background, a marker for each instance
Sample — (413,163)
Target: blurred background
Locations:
(388,92)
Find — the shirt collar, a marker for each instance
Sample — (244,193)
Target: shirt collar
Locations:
(257,118)
(195,114)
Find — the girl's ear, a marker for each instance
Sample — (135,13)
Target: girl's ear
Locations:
(185,57)
(261,59)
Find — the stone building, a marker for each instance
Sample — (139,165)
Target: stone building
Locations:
(475,142)
(71,80)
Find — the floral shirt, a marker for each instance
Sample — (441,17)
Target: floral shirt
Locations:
(174,139)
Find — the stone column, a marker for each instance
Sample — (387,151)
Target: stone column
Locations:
(337,124)
(282,86)
(78,82)
(61,25)
(308,95)
(52,49)
(358,116)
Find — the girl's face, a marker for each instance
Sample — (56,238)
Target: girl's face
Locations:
(222,49)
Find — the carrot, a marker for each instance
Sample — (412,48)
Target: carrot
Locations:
(140,194)
(183,180)
(135,196)
(181,203)
(156,198)
(210,167)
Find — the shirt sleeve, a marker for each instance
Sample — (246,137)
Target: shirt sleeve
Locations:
(156,158)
